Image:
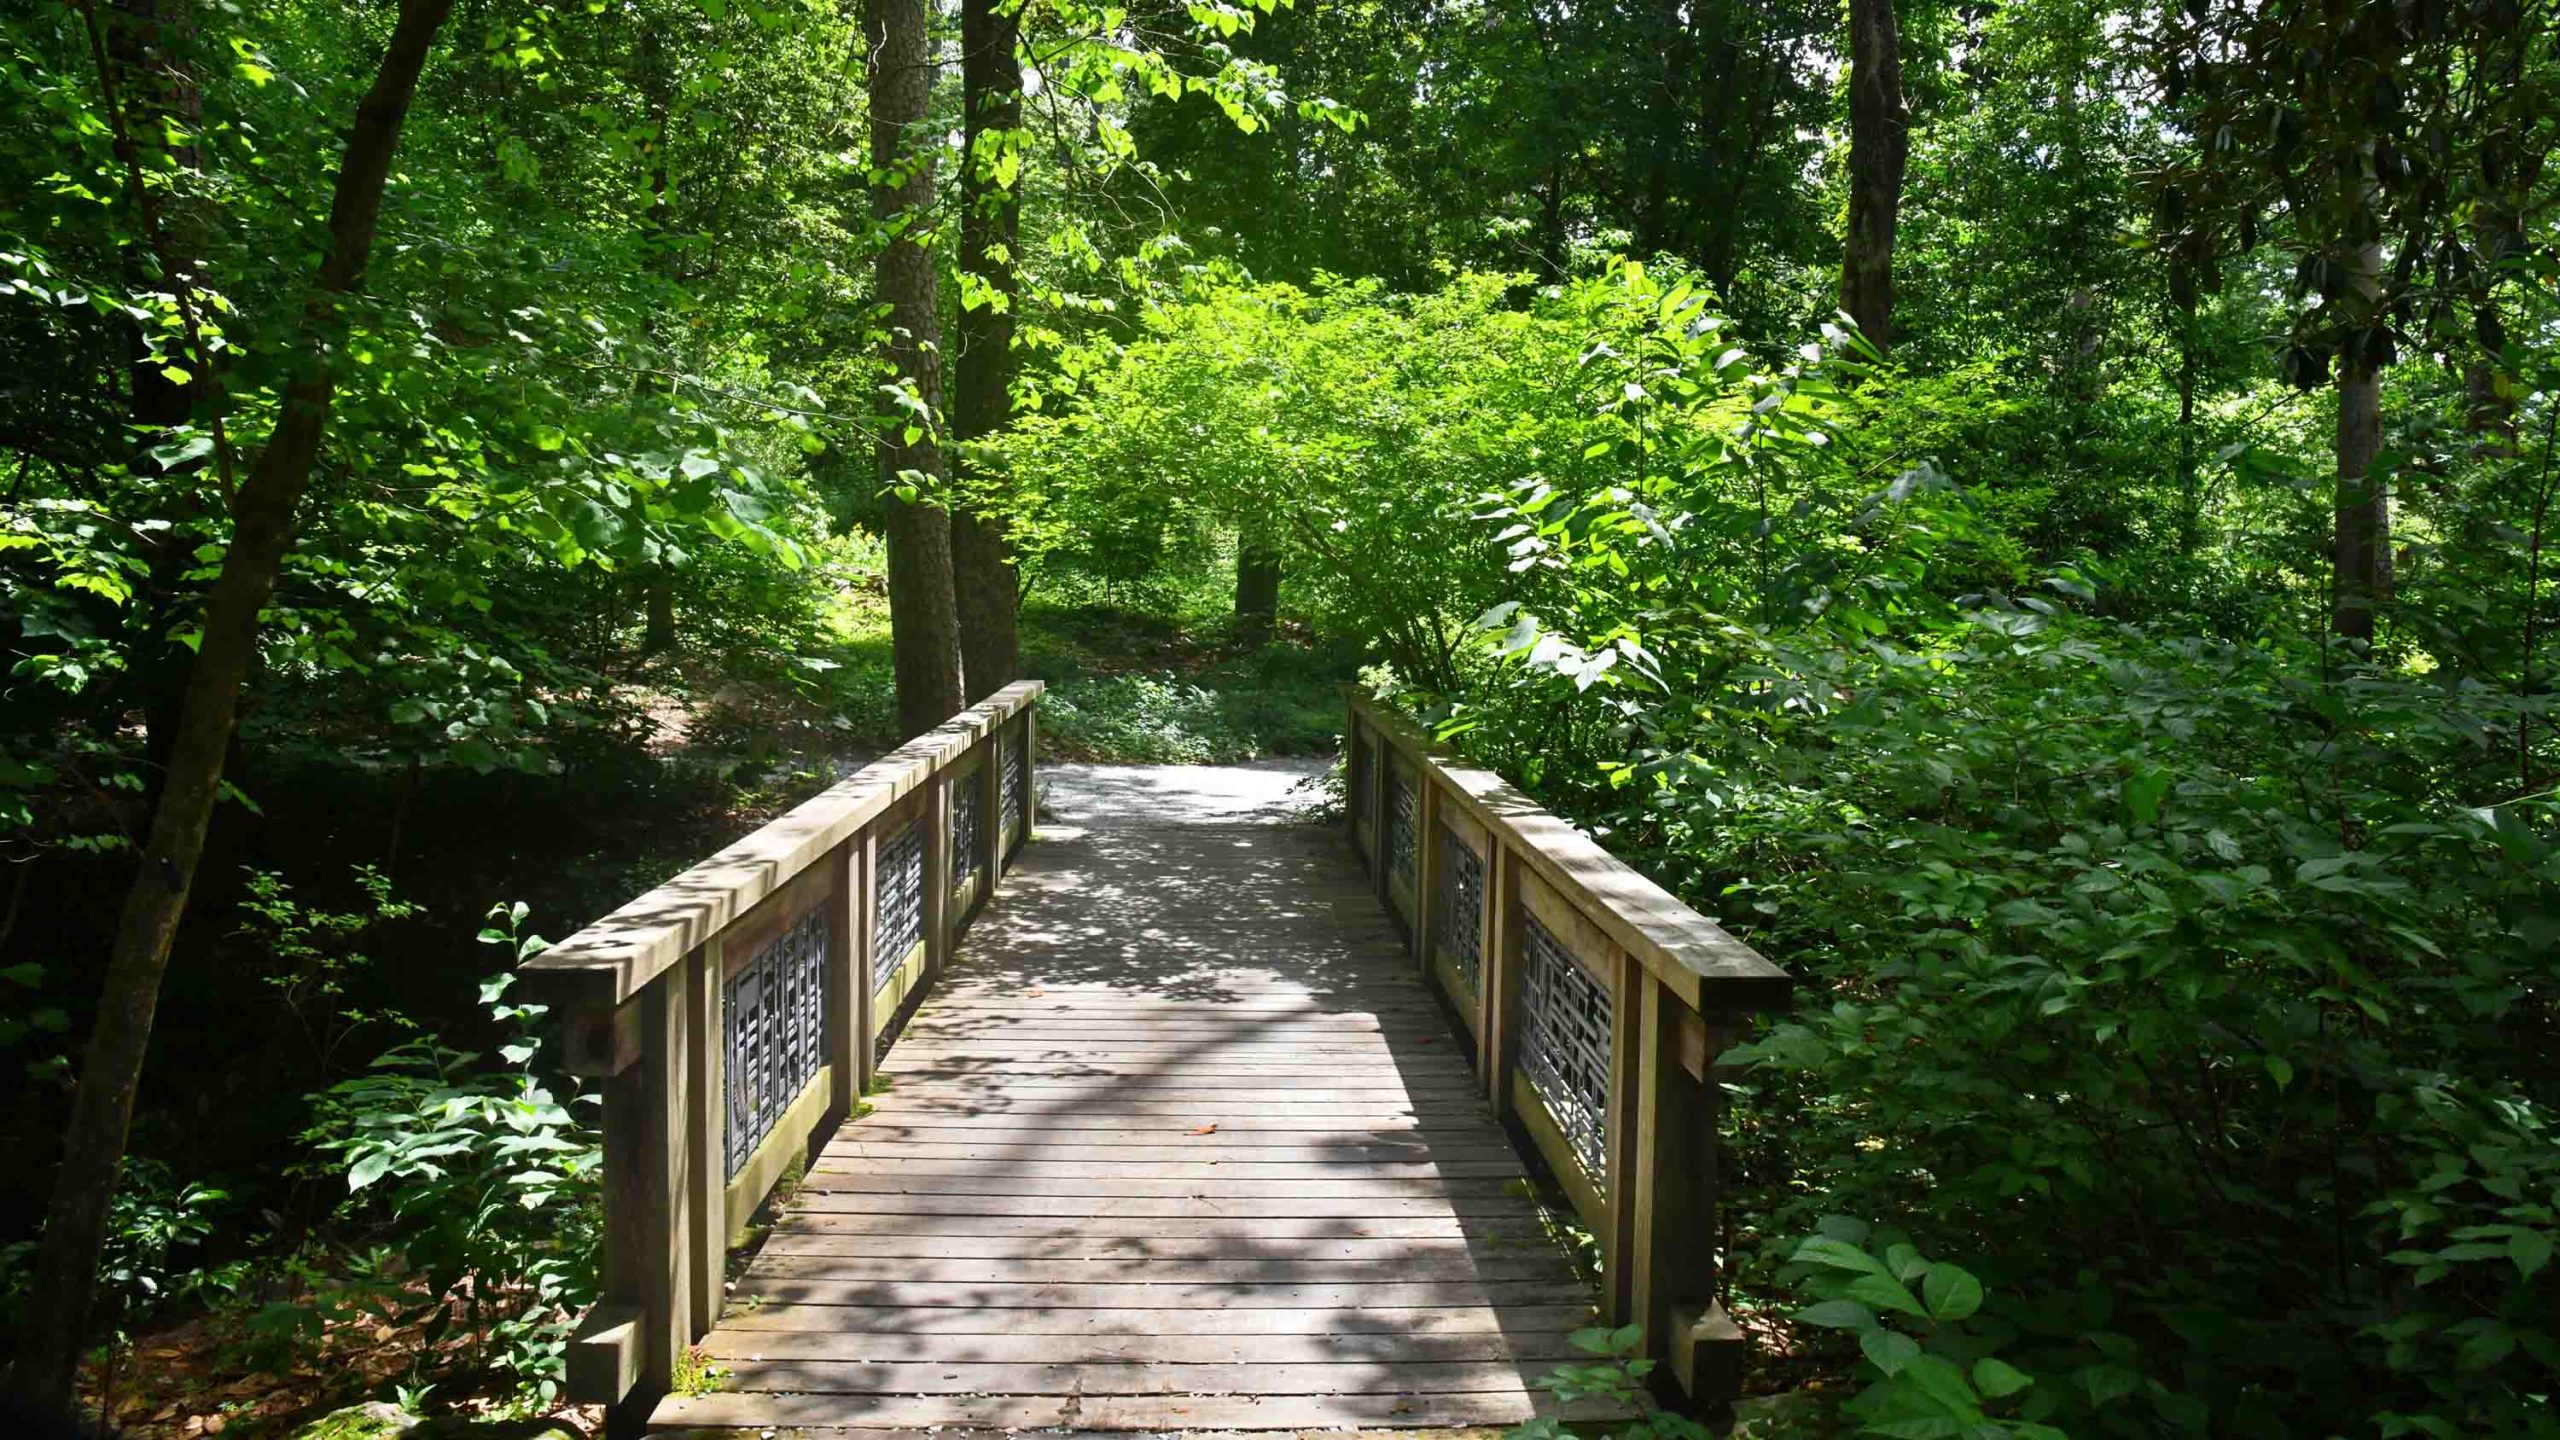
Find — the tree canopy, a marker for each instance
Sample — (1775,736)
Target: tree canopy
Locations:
(2032,514)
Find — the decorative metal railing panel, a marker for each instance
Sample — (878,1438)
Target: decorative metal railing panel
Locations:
(1565,1019)
(1403,807)
(968,818)
(1016,764)
(777,1022)
(899,891)
(1462,908)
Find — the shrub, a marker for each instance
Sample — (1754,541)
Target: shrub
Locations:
(487,1182)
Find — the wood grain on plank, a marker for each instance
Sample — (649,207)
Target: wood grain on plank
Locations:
(1179,1144)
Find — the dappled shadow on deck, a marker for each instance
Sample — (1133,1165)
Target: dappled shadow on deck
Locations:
(1179,1142)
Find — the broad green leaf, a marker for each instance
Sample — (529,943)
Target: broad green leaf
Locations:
(1887,1350)
(1953,1292)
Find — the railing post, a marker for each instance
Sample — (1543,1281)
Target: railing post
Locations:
(938,919)
(1673,1227)
(844,964)
(1503,939)
(1426,866)
(706,1121)
(629,1345)
(1382,805)
(616,1350)
(857,904)
(1030,767)
(990,783)
(1627,1057)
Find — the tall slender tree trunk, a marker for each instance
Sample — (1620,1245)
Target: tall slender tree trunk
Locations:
(1879,147)
(65,1279)
(924,622)
(982,572)
(1257,589)
(2361,560)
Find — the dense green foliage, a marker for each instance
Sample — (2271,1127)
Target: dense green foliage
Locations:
(2188,974)
(2183,977)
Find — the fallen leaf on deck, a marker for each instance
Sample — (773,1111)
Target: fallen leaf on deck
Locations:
(1204,1130)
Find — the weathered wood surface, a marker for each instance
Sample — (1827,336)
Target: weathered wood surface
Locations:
(1180,1143)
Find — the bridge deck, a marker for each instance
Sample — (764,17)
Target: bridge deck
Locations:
(1179,1143)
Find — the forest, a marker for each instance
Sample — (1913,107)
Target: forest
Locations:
(2030,513)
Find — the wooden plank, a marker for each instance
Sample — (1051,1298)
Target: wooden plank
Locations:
(927,1170)
(1073,1245)
(1520,1227)
(1196,1028)
(971,1113)
(1339,1295)
(1420,1062)
(1207,1187)
(1119,1180)
(756,1410)
(1134,1146)
(1281,1075)
(1541,1348)
(965,1377)
(818,1200)
(1235,1112)
(786,1317)
(793,1265)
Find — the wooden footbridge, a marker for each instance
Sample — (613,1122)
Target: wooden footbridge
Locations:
(1160,1123)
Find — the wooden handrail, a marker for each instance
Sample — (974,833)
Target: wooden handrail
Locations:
(609,961)
(1598,1003)
(734,1012)
(1706,967)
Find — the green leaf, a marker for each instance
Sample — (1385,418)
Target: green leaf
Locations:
(2488,1345)
(1837,1315)
(1996,1378)
(1885,1293)
(1953,1292)
(1888,1350)
(1944,1385)
(2143,791)
(2106,1384)
(1836,1255)
(2530,1249)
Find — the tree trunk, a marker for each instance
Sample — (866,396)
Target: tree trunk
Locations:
(982,572)
(1879,146)
(658,631)
(2361,563)
(262,530)
(924,623)
(2363,556)
(2190,481)
(1257,591)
